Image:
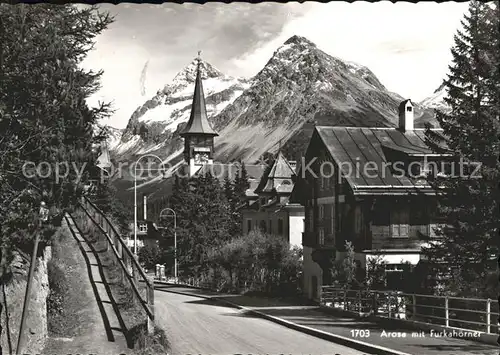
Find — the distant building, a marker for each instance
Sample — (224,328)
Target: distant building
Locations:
(147,231)
(268,208)
(361,198)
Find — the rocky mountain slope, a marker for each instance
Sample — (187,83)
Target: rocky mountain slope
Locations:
(299,87)
(436,100)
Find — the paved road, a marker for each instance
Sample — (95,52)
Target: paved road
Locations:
(198,326)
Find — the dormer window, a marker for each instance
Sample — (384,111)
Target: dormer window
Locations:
(143,227)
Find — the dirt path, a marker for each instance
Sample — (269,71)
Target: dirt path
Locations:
(91,325)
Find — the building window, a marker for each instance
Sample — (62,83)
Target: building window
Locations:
(271,226)
(408,109)
(321,211)
(249,225)
(143,227)
(280,226)
(399,223)
(321,236)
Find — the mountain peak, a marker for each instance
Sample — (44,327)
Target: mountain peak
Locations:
(295,39)
(188,73)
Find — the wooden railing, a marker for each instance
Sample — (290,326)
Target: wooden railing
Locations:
(131,271)
(469,314)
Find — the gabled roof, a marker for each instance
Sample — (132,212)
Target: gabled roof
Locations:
(198,120)
(278,178)
(352,147)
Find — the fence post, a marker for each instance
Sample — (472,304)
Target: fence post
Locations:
(488,315)
(360,308)
(389,309)
(345,300)
(414,306)
(446,312)
(375,306)
(151,304)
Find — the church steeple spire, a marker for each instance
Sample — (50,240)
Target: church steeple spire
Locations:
(198,121)
(198,134)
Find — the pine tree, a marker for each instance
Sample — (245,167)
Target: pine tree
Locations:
(43,113)
(468,204)
(240,186)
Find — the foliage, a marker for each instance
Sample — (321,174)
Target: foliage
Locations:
(43,113)
(106,198)
(149,256)
(469,204)
(235,194)
(375,273)
(203,221)
(344,270)
(260,262)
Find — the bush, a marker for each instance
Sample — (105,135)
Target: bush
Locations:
(149,256)
(257,262)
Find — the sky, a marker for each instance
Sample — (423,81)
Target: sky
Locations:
(406,45)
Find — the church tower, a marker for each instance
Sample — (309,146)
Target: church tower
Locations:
(198,134)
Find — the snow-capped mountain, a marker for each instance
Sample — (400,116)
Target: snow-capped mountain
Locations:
(154,123)
(436,100)
(300,86)
(114,137)
(113,134)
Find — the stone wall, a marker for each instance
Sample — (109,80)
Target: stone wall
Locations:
(12,292)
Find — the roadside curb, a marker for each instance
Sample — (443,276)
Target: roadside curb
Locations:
(338,339)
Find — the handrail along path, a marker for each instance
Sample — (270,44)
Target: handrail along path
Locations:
(131,270)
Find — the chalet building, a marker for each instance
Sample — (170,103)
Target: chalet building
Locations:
(366,186)
(268,207)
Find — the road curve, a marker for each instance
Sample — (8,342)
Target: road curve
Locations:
(195,325)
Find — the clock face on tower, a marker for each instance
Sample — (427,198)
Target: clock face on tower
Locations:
(201,157)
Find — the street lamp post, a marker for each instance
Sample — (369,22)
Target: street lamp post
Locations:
(135,194)
(43,215)
(175,239)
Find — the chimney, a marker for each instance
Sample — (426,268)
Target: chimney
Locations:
(145,206)
(406,115)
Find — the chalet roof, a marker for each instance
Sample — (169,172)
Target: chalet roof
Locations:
(352,147)
(198,120)
(278,178)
